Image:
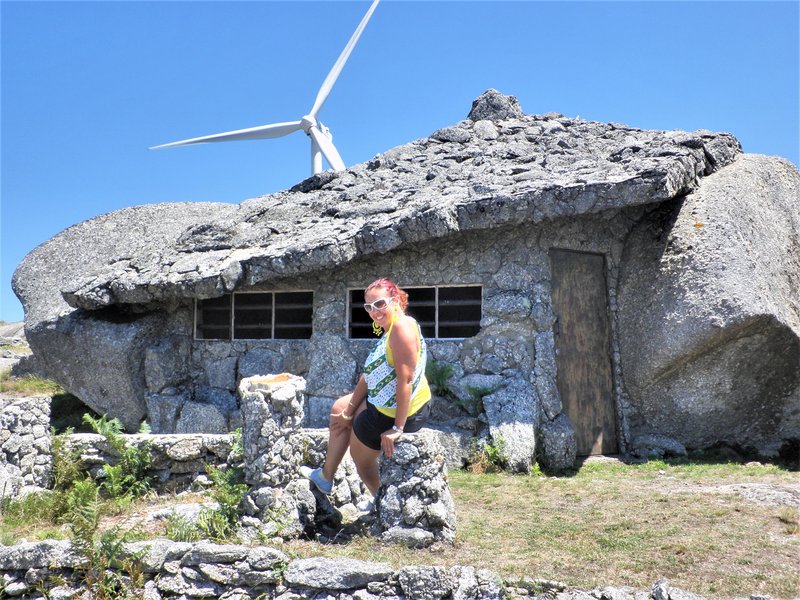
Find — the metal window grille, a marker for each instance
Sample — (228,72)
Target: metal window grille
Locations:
(255,316)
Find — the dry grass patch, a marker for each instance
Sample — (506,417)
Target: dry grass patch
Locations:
(614,524)
(28,385)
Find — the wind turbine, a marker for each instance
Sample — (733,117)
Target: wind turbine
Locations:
(320,136)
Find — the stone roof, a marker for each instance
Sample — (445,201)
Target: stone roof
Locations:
(497,167)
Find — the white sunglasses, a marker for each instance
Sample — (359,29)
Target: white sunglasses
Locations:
(379,304)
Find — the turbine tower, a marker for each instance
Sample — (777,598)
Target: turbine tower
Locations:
(320,136)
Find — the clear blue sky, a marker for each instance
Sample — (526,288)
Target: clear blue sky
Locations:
(88,86)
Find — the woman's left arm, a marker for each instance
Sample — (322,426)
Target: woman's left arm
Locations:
(404,343)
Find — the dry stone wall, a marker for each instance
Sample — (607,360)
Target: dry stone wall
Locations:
(178,461)
(51,569)
(25,462)
(503,383)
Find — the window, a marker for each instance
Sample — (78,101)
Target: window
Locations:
(442,312)
(255,316)
(213,318)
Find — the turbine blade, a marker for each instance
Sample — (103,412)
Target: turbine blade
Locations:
(328,149)
(330,80)
(254,133)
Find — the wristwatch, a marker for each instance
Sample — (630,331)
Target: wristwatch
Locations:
(397,429)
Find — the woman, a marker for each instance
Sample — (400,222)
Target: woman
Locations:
(390,398)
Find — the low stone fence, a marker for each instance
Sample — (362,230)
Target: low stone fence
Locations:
(25,460)
(166,569)
(178,460)
(413,505)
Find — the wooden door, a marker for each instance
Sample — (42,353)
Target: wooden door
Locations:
(582,338)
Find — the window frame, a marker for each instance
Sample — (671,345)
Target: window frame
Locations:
(436,288)
(232,317)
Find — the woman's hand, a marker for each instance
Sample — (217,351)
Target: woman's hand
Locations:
(388,438)
(340,422)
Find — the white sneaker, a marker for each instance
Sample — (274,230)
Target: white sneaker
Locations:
(315,476)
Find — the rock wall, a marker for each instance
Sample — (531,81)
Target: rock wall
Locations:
(510,363)
(178,460)
(414,504)
(202,570)
(25,461)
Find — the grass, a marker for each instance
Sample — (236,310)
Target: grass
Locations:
(28,385)
(615,524)
(609,524)
(16,348)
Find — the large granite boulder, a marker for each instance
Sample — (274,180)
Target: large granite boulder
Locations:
(98,356)
(709,310)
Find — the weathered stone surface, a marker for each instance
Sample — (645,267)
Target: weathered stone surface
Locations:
(335,574)
(412,537)
(163,411)
(205,552)
(57,553)
(559,449)
(657,446)
(156,552)
(425,583)
(333,376)
(513,414)
(209,258)
(414,494)
(166,363)
(722,364)
(493,105)
(99,357)
(196,417)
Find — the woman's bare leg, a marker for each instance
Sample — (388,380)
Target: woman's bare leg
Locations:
(366,460)
(338,439)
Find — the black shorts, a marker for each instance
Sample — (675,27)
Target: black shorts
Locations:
(371,423)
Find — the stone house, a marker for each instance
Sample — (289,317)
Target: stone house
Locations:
(586,287)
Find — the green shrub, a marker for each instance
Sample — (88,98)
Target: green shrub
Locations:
(67,463)
(181,529)
(474,404)
(237,447)
(229,491)
(128,478)
(217,524)
(488,456)
(104,561)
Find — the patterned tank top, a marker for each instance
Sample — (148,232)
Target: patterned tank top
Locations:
(381,377)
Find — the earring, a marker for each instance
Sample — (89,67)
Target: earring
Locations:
(376,329)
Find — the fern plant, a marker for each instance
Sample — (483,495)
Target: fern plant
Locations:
(218,524)
(104,561)
(438,375)
(129,477)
